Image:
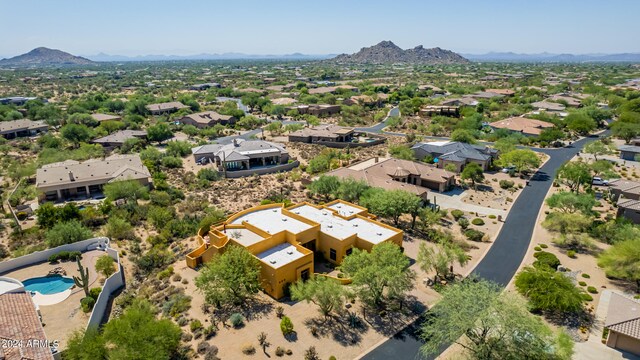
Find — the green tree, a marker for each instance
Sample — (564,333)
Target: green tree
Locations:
(597,148)
(118,228)
(47,214)
(67,233)
(472,172)
(130,190)
(75,133)
(89,345)
(524,160)
(622,261)
(230,278)
(574,174)
(402,152)
(566,223)
(351,189)
(105,265)
(190,130)
(159,133)
(580,123)
(326,186)
(489,324)
(441,258)
(549,290)
(274,128)
(137,334)
(380,274)
(569,202)
(178,148)
(463,135)
(625,130)
(391,203)
(326,293)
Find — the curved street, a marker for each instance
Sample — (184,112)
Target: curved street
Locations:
(506,254)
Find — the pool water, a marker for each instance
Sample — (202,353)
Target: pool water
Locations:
(49,284)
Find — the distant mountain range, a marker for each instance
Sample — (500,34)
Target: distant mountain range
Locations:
(205,56)
(386,52)
(548,57)
(43,56)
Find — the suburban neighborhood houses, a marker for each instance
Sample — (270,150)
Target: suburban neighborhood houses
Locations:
(197,190)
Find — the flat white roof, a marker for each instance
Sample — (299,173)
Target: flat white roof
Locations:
(341,228)
(245,237)
(280,255)
(272,221)
(345,209)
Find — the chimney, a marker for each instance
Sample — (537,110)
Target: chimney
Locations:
(235,142)
(71,176)
(376,159)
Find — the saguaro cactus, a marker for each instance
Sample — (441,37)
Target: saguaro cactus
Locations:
(82,280)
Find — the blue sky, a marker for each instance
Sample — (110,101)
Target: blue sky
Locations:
(136,27)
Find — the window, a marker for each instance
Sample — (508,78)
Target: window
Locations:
(332,254)
(349,251)
(304,274)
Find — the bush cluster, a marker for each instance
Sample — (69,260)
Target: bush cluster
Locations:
(65,256)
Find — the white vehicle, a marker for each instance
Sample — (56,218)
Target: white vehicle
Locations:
(598,181)
(508,169)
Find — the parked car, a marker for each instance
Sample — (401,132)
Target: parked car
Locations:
(598,181)
(508,169)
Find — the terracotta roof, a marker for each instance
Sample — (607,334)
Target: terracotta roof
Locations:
(521,124)
(623,316)
(506,92)
(626,186)
(283,101)
(19,321)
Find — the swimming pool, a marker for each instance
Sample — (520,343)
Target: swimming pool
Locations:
(49,284)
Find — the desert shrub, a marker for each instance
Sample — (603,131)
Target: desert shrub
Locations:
(546,259)
(463,222)
(332,357)
(195,325)
(286,326)
(279,311)
(457,214)
(477,222)
(592,289)
(212,353)
(582,283)
(176,304)
(586,297)
(202,347)
(289,352)
(280,351)
(95,292)
(65,256)
(544,246)
(87,304)
(210,331)
(571,253)
(537,248)
(165,273)
(248,349)
(182,321)
(236,320)
(586,276)
(474,235)
(506,184)
(492,216)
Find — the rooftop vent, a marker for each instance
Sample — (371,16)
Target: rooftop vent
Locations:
(324,213)
(290,252)
(272,261)
(275,210)
(330,226)
(284,219)
(379,234)
(355,225)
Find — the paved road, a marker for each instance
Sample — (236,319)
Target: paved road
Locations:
(505,256)
(377,128)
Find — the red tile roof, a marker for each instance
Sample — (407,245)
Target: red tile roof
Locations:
(20,323)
